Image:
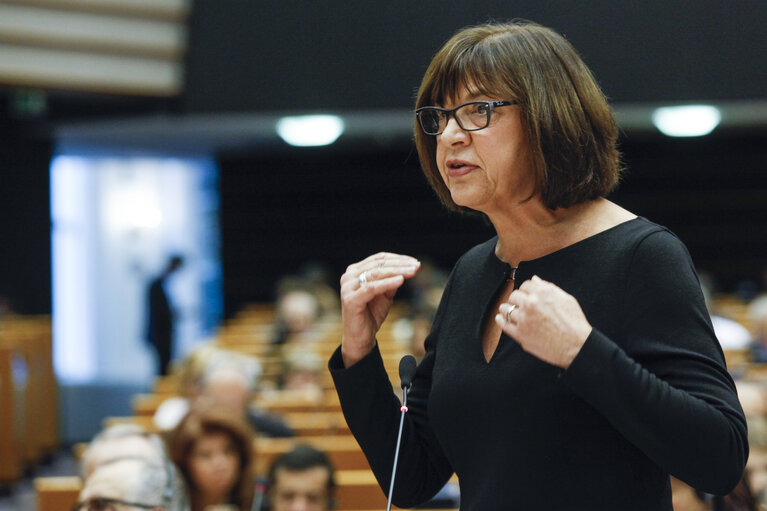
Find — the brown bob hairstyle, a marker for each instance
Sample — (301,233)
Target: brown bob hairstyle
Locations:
(203,421)
(569,125)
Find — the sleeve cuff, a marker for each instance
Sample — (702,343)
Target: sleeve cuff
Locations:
(370,364)
(589,365)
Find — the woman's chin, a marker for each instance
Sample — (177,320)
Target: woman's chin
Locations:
(467,201)
(220,487)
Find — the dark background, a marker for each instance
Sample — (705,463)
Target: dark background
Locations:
(284,207)
(346,54)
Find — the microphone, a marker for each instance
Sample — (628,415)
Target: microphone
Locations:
(261,486)
(407,368)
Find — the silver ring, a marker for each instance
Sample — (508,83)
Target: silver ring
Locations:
(363,278)
(508,312)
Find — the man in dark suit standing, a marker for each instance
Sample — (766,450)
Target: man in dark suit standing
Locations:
(160,316)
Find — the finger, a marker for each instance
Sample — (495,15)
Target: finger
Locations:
(377,287)
(518,296)
(383,258)
(352,294)
(536,283)
(508,327)
(507,312)
(390,271)
(529,286)
(378,261)
(366,276)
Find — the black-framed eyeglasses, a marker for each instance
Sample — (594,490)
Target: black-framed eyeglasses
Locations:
(107,504)
(471,116)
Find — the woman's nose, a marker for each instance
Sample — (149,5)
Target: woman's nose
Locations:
(453,132)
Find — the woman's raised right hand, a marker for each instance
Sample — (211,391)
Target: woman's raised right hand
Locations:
(367,294)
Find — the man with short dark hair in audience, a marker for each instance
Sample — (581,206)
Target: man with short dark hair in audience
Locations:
(302,480)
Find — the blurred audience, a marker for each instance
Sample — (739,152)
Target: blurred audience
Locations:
(686,498)
(6,307)
(190,372)
(121,441)
(214,449)
(297,311)
(317,279)
(753,399)
(426,292)
(302,479)
(230,380)
(130,441)
(731,334)
(302,374)
(757,314)
(131,482)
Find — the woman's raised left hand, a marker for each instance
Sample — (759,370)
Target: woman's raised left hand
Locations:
(545,320)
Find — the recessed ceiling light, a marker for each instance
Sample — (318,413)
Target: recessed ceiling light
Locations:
(310,130)
(686,120)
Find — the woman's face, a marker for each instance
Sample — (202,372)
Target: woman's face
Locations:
(489,169)
(214,464)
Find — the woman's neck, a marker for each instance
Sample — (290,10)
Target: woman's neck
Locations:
(202,500)
(531,230)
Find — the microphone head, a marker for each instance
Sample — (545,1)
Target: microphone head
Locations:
(407,370)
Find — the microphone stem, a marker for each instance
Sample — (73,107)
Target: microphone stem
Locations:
(396,451)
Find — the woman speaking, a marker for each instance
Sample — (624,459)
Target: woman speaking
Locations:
(571,364)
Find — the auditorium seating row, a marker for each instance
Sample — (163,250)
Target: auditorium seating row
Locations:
(29,427)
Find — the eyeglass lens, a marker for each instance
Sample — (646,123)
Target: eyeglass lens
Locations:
(470,117)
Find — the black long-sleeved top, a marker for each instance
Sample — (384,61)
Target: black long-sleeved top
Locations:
(648,394)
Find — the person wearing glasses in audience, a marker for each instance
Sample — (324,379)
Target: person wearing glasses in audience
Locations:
(131,483)
(571,364)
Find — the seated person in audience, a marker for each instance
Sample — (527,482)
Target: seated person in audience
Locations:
(757,312)
(214,451)
(132,483)
(190,374)
(758,302)
(6,307)
(731,334)
(686,498)
(120,441)
(425,290)
(317,278)
(230,379)
(752,397)
(230,386)
(756,467)
(302,374)
(297,312)
(302,479)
